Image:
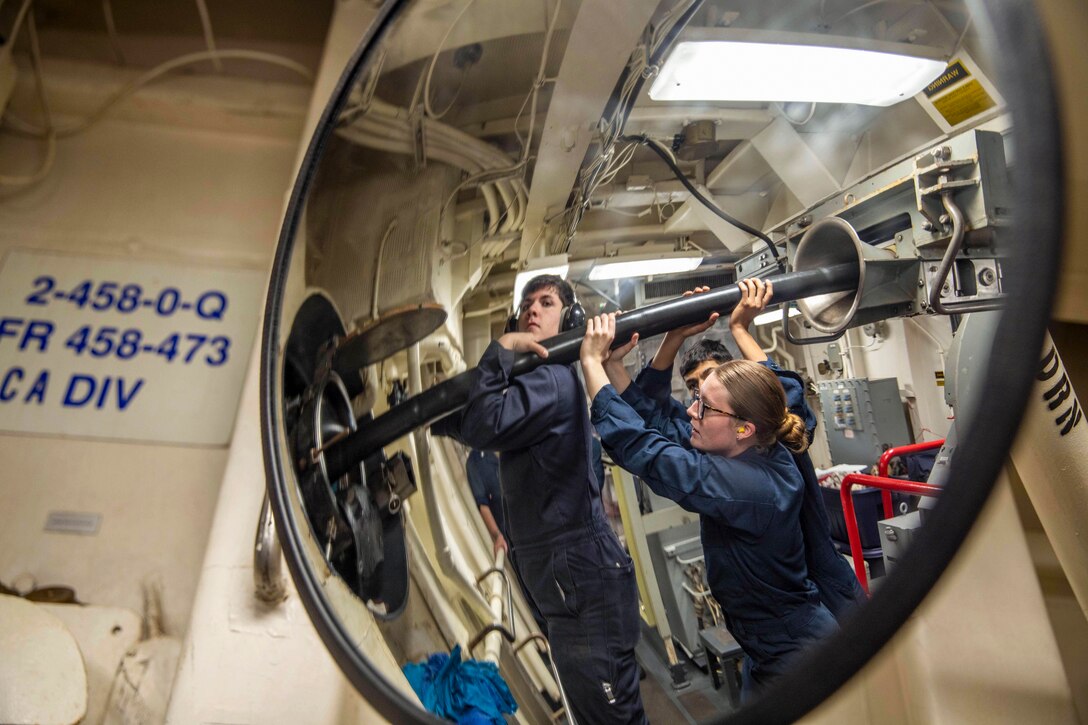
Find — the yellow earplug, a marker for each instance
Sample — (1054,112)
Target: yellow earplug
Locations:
(742,429)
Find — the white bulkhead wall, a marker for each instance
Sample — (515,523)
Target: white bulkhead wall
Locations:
(187,179)
(154,191)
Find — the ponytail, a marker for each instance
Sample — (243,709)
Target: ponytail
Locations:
(792,433)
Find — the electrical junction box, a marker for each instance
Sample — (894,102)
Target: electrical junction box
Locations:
(862,418)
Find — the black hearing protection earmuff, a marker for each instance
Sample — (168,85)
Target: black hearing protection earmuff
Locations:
(570,317)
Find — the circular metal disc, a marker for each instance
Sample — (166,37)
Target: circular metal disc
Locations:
(390,334)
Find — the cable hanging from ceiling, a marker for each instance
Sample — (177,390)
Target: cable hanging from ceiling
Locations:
(642,65)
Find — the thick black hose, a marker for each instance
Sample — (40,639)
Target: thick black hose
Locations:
(717,210)
(448,396)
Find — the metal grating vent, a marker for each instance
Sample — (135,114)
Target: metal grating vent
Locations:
(676,286)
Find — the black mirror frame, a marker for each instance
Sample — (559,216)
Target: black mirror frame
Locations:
(1026,81)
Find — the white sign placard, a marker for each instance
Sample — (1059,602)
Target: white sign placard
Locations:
(113,348)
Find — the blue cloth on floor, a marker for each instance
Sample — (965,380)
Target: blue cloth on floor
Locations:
(469,692)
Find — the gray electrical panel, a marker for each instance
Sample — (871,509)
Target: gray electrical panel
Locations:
(862,418)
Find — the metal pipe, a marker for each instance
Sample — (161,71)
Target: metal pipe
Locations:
(443,478)
(537,637)
(886,459)
(891,484)
(268,579)
(497,588)
(378,266)
(959,229)
(451,395)
(445,616)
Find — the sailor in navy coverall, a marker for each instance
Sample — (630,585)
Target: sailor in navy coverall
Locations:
(839,588)
(739,477)
(564,551)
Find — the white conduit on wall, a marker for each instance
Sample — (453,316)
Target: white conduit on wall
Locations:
(451,626)
(375,138)
(389,128)
(442,349)
(1051,456)
(496,585)
(779,348)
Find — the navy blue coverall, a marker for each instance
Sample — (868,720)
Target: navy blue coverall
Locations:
(839,588)
(564,551)
(749,508)
(482,469)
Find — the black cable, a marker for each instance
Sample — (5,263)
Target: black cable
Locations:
(653,58)
(656,148)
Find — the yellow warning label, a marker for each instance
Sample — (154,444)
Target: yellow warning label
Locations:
(963,102)
(952,75)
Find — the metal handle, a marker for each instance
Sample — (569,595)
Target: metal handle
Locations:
(896,452)
(684,562)
(959,230)
(501,571)
(268,579)
(847,499)
(488,629)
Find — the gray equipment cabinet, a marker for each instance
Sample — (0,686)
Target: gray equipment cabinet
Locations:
(862,418)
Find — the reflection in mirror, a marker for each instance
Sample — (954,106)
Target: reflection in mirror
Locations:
(849,160)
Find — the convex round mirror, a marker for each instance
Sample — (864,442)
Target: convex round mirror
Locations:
(469,141)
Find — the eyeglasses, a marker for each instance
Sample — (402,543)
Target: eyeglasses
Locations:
(701,408)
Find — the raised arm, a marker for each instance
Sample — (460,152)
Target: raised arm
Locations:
(730,490)
(595,352)
(670,345)
(505,413)
(596,361)
(613,365)
(755,294)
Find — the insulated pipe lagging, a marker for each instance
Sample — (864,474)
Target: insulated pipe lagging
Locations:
(451,395)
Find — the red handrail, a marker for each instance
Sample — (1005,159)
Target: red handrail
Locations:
(886,459)
(887,484)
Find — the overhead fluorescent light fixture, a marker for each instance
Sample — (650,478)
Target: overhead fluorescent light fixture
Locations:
(652,266)
(556,264)
(765,318)
(727,70)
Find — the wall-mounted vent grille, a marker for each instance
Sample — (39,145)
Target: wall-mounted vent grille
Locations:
(676,286)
